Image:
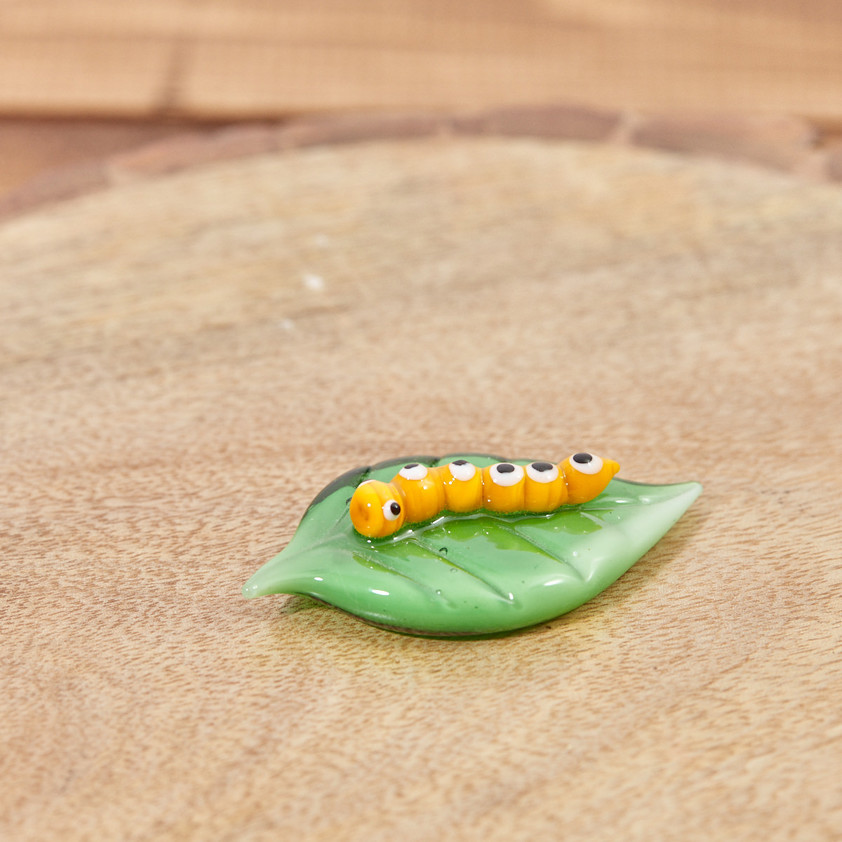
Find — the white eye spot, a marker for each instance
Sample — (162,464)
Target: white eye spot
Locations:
(413,471)
(542,472)
(586,463)
(391,510)
(462,470)
(505,473)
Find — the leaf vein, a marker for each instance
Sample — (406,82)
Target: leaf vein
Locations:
(470,573)
(541,548)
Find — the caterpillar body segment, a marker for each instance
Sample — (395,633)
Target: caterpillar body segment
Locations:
(502,487)
(462,484)
(545,489)
(418,493)
(422,491)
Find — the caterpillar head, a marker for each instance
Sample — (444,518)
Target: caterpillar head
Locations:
(377,509)
(587,475)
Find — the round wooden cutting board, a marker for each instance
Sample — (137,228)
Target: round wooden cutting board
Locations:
(189,357)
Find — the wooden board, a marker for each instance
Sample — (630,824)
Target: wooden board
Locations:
(33,149)
(253,58)
(187,358)
(785,143)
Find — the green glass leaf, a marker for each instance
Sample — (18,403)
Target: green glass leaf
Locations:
(469,575)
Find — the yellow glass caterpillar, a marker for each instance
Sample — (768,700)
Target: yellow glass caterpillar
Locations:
(418,493)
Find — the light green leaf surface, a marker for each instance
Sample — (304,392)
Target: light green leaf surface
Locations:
(474,575)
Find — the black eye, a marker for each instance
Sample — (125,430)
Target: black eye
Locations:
(505,474)
(413,471)
(586,463)
(462,470)
(542,471)
(391,510)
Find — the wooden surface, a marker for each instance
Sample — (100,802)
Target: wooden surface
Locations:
(188,357)
(32,149)
(84,80)
(236,58)
(785,143)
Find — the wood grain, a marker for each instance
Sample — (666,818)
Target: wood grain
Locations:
(254,58)
(174,392)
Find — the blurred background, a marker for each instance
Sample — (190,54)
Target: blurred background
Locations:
(84,79)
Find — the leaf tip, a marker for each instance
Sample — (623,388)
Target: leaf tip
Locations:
(250,590)
(263,582)
(694,489)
